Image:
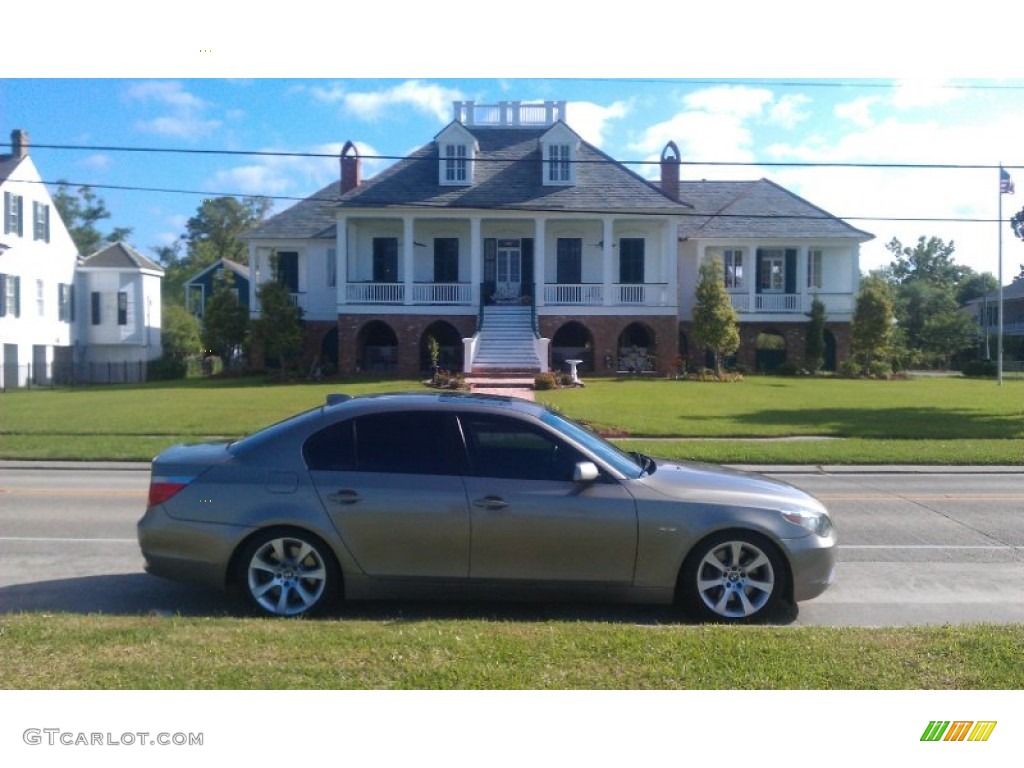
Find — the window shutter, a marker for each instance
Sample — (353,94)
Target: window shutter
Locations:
(490,259)
(7,212)
(3,295)
(526,271)
(17,295)
(46,223)
(791,270)
(20,202)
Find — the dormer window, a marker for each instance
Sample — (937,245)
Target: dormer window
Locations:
(456,164)
(456,149)
(559,148)
(558,165)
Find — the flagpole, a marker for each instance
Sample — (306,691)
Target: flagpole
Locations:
(999,337)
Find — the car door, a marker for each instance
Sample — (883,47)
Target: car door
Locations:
(392,485)
(530,521)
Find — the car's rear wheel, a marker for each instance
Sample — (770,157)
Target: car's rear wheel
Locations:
(288,573)
(736,576)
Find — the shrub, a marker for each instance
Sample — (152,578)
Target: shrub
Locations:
(165,369)
(787,369)
(544,381)
(980,369)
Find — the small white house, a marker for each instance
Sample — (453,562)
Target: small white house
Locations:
(118,327)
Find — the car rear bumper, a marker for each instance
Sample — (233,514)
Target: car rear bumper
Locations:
(187,551)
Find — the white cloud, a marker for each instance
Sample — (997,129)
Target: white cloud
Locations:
(292,175)
(914,94)
(857,111)
(183,112)
(789,110)
(591,120)
(736,101)
(96,162)
(427,98)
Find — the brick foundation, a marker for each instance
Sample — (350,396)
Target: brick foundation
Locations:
(408,330)
(795,335)
(606,330)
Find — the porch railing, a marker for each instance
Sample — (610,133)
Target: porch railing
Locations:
(375,293)
(594,294)
(790,302)
(441,293)
(580,294)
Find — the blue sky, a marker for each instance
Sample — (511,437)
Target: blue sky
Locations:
(630,110)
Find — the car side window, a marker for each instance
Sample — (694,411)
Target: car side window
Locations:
(511,449)
(332,449)
(410,442)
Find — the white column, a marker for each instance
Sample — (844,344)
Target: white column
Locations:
(751,275)
(803,301)
(476,260)
(341,261)
(672,262)
(407,257)
(608,256)
(538,261)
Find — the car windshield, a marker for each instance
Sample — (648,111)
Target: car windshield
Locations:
(631,465)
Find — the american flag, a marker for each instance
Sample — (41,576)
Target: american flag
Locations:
(1005,182)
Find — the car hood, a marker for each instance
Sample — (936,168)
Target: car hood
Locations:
(703,482)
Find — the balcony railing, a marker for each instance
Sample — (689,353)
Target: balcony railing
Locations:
(422,293)
(375,293)
(790,302)
(577,294)
(593,294)
(441,293)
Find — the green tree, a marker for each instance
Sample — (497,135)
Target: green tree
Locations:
(225,320)
(872,322)
(714,319)
(81,211)
(213,233)
(815,351)
(278,328)
(180,334)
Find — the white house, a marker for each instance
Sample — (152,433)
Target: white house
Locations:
(516,245)
(62,319)
(118,327)
(37,269)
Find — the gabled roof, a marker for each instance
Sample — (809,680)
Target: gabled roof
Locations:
(508,176)
(744,209)
(120,255)
(233,266)
(7,165)
(309,218)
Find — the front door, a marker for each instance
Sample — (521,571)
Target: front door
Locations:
(509,270)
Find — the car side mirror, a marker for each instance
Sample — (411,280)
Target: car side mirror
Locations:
(585,472)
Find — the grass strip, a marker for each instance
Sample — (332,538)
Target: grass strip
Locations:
(41,651)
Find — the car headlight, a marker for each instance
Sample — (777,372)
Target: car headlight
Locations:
(813,520)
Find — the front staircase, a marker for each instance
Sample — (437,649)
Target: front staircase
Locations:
(505,343)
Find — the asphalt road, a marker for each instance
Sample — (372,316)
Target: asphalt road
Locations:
(917,546)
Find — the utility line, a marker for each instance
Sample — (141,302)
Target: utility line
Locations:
(576,161)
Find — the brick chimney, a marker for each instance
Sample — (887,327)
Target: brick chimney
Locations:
(349,167)
(670,171)
(19,143)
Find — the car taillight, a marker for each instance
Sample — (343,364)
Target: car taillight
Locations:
(163,488)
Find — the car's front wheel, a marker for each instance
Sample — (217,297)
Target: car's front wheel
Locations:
(288,573)
(736,576)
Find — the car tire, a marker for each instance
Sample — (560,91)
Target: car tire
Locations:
(288,572)
(733,577)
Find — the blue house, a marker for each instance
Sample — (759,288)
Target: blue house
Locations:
(200,287)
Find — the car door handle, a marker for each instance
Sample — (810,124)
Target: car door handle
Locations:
(344,497)
(490,502)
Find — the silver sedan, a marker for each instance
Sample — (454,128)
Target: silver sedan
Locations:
(453,494)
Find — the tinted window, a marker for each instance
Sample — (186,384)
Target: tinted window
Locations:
(332,449)
(508,448)
(416,443)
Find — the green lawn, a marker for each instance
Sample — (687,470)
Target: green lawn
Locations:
(921,421)
(110,652)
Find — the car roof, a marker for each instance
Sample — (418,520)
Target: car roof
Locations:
(433,400)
